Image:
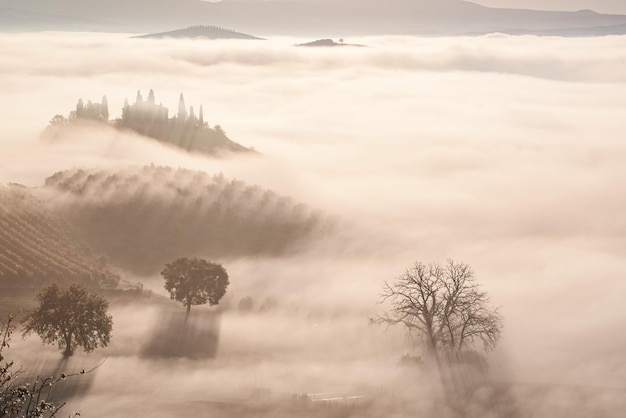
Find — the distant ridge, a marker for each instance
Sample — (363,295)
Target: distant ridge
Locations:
(296,17)
(575,32)
(201,31)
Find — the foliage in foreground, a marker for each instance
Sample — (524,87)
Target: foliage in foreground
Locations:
(20,399)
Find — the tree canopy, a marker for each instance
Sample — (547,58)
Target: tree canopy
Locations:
(444,305)
(194,281)
(70,317)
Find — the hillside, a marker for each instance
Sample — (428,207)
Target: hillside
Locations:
(37,246)
(200,32)
(145,217)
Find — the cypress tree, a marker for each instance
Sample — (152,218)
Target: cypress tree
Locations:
(126,111)
(104,110)
(182,110)
(80,108)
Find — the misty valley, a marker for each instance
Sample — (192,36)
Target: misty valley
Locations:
(429,226)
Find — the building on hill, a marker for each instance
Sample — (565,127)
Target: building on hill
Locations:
(95,111)
(187,129)
(143,111)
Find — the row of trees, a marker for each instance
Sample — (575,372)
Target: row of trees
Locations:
(443,304)
(140,112)
(73,317)
(440,303)
(94,111)
(147,111)
(144,217)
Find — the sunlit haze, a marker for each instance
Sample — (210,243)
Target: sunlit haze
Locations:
(505,152)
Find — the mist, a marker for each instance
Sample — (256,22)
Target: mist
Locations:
(504,152)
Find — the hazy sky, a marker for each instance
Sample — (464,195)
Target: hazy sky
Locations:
(503,152)
(600,6)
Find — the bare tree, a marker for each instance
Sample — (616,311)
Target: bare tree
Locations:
(443,305)
(467,316)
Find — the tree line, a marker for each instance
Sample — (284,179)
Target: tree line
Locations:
(441,304)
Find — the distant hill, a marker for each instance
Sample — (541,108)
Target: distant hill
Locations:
(327,43)
(186,130)
(576,32)
(299,17)
(200,32)
(145,217)
(37,246)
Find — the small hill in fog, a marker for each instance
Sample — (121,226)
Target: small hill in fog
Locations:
(187,129)
(145,217)
(327,43)
(200,32)
(37,246)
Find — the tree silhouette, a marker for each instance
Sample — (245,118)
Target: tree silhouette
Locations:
(182,110)
(57,120)
(80,108)
(444,305)
(201,117)
(151,98)
(194,281)
(70,317)
(192,115)
(104,110)
(126,110)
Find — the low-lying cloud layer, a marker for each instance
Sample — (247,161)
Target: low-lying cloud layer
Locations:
(504,152)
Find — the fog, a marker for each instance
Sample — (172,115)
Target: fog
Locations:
(506,153)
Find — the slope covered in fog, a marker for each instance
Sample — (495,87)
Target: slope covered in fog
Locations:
(36,246)
(145,217)
(315,17)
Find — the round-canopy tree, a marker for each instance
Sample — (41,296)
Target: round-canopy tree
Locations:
(70,317)
(194,281)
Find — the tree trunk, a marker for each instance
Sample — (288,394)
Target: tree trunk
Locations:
(188,311)
(68,346)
